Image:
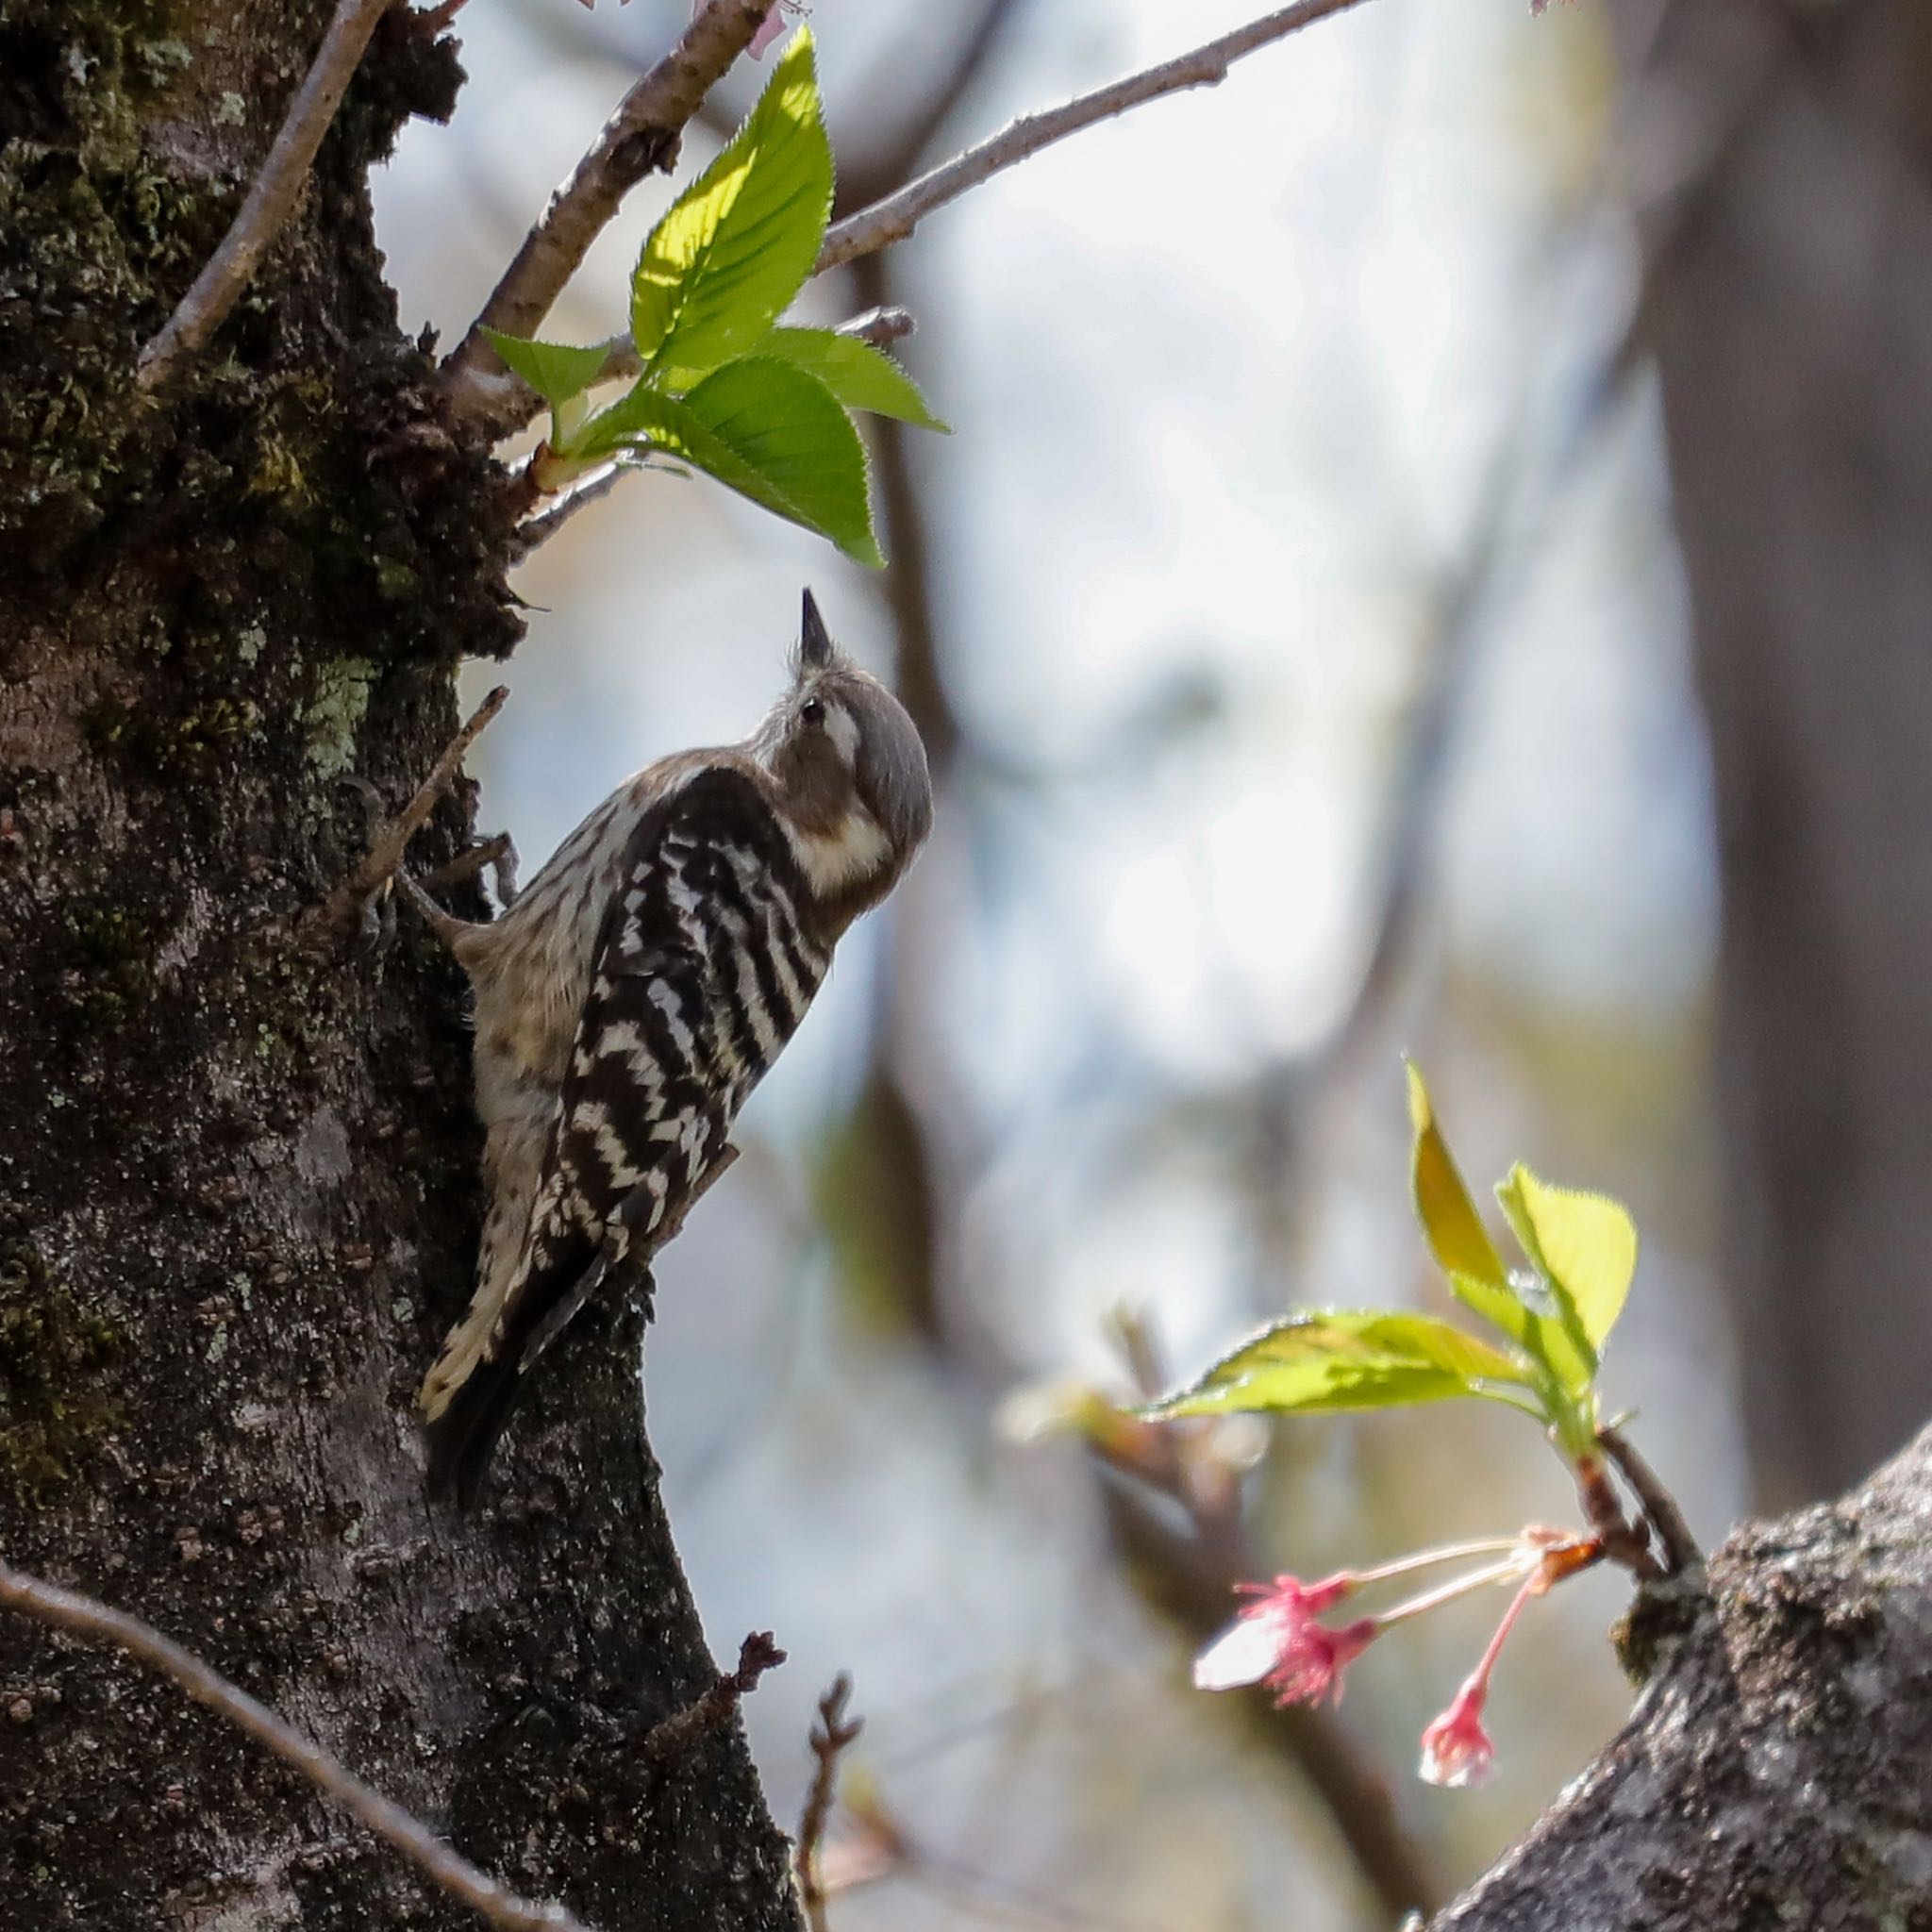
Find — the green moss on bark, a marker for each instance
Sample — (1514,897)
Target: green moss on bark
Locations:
(55,1361)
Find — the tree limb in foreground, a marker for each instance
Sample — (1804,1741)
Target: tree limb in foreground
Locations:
(895,217)
(271,200)
(503,404)
(81,1616)
(639,137)
(1774,1771)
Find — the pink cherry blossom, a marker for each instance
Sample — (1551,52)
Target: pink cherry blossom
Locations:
(773,23)
(1457,1750)
(1278,1641)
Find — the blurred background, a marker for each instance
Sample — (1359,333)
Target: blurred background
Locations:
(1430,521)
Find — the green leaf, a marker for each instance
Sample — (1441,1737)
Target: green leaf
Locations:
(765,428)
(1561,1339)
(1585,1243)
(556,371)
(739,243)
(1351,1359)
(861,376)
(1454,1230)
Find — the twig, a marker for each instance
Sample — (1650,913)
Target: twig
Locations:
(895,217)
(831,1737)
(641,136)
(1622,1541)
(881,326)
(386,849)
(673,1735)
(1661,1510)
(499,854)
(83,1617)
(538,530)
(271,200)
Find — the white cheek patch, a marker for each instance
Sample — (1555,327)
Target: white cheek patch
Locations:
(834,859)
(841,727)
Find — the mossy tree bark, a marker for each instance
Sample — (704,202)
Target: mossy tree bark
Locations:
(238,1196)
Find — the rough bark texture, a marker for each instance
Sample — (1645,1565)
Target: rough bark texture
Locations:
(238,1203)
(1786,152)
(1773,1772)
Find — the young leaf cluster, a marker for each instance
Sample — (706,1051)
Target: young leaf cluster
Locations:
(764,408)
(1549,1319)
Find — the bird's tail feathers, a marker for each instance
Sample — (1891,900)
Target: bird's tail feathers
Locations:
(463,1434)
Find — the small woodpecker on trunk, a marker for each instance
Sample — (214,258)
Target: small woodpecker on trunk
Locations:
(635,994)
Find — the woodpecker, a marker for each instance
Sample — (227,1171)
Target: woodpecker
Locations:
(634,993)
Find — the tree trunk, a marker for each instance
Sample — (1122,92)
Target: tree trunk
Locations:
(237,1194)
(1788,300)
(1773,1772)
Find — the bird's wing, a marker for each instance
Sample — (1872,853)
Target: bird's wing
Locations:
(704,966)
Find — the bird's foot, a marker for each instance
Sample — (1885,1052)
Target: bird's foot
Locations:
(362,902)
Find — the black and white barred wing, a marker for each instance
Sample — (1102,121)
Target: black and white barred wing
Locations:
(702,971)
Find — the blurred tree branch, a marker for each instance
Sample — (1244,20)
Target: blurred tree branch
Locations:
(832,1736)
(1187,1569)
(1186,1573)
(886,157)
(1786,307)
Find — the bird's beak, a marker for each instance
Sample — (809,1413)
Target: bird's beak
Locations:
(815,643)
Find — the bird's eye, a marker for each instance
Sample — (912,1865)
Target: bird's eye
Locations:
(812,711)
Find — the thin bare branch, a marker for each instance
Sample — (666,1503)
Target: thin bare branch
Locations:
(386,849)
(1660,1508)
(881,326)
(639,137)
(273,198)
(676,1735)
(895,217)
(831,1737)
(497,854)
(85,1617)
(533,532)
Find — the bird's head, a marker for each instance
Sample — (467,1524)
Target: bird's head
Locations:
(851,773)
